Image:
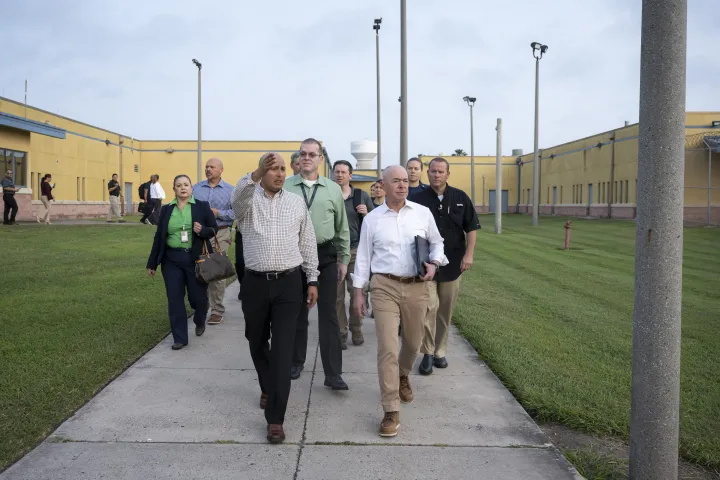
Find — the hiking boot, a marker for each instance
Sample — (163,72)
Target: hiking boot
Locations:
(215,319)
(275,433)
(263,400)
(390,424)
(406,393)
(357,338)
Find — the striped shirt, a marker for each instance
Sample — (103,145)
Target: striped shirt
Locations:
(277,232)
(219,198)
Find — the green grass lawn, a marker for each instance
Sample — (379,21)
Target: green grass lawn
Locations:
(556,326)
(78,308)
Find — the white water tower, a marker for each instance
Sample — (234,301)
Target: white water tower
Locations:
(364,152)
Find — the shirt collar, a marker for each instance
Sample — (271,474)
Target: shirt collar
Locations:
(298,179)
(174,200)
(221,184)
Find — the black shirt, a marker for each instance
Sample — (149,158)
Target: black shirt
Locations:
(113,184)
(454,216)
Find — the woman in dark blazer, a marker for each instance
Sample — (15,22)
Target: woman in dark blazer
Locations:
(183,226)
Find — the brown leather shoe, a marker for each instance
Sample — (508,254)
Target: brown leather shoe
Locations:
(263,400)
(406,393)
(275,433)
(215,319)
(390,424)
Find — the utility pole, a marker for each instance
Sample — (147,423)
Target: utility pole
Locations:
(471,103)
(376,27)
(538,51)
(199,147)
(403,84)
(654,411)
(498,178)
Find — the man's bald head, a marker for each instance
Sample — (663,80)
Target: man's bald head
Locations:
(278,158)
(395,183)
(213,170)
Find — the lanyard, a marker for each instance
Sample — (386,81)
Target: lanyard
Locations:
(309,204)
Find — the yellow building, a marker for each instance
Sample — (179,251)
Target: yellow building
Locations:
(594,176)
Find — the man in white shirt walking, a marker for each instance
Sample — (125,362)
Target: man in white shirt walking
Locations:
(398,292)
(157,195)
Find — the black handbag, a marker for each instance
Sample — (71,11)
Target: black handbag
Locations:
(211,267)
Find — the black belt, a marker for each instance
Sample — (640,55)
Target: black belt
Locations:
(324,244)
(272,275)
(186,250)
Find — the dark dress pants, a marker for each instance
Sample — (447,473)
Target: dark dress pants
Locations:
(11,208)
(272,306)
(178,271)
(156,207)
(330,346)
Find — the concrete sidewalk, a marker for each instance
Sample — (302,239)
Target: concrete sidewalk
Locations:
(194,414)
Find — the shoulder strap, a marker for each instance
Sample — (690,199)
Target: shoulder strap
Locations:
(357,197)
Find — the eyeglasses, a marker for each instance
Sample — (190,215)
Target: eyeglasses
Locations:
(311,155)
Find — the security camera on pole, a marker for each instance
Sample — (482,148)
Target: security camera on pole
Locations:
(538,50)
(471,103)
(376,27)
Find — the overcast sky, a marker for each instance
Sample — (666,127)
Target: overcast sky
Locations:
(285,70)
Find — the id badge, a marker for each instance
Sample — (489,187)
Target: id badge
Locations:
(184,236)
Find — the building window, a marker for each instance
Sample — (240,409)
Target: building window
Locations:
(620,192)
(561,196)
(627,197)
(16,162)
(78,187)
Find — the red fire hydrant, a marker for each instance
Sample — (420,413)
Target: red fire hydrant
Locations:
(567,234)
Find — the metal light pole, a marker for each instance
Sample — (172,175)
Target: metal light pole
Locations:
(654,410)
(376,27)
(538,51)
(403,84)
(199,147)
(471,102)
(498,178)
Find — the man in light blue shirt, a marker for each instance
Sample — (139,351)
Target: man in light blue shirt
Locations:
(218,193)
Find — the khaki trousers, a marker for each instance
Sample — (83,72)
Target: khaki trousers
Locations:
(443,297)
(394,302)
(355,321)
(46,202)
(114,208)
(216,290)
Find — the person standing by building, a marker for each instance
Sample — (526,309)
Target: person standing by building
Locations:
(217,192)
(295,163)
(145,206)
(46,197)
(157,195)
(357,205)
(414,169)
(9,191)
(184,225)
(398,292)
(379,194)
(324,200)
(114,194)
(457,222)
(279,243)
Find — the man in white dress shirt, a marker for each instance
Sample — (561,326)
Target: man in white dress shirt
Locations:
(157,195)
(398,292)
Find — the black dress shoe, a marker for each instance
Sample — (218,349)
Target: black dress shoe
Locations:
(336,383)
(178,346)
(426,366)
(295,371)
(343,346)
(440,362)
(199,331)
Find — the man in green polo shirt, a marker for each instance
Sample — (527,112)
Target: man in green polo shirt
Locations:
(325,202)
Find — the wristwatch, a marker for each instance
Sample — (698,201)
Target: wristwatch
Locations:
(312,284)
(436,263)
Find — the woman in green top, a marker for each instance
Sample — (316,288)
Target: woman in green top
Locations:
(184,225)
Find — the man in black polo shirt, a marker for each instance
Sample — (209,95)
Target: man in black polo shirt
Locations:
(457,222)
(11,206)
(114,191)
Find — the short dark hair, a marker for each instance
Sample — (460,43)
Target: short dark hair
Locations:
(114,174)
(343,162)
(440,159)
(294,156)
(316,142)
(416,159)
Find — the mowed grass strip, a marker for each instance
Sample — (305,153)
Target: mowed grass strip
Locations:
(556,325)
(77,309)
